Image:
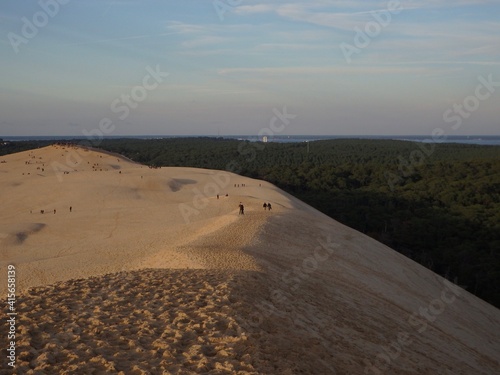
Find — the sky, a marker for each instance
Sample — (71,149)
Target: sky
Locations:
(228,67)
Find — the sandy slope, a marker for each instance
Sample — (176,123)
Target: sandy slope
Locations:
(151,273)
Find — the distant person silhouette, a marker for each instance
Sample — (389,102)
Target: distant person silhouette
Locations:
(269,206)
(242,209)
(265,206)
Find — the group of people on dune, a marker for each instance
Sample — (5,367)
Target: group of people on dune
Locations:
(265,205)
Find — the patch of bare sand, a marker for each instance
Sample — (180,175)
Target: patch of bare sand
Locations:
(353,299)
(140,322)
(225,247)
(158,321)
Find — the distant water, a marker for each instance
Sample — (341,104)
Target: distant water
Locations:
(492,140)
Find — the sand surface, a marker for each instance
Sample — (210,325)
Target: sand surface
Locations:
(151,273)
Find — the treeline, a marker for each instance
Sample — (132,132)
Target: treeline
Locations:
(438,204)
(13,147)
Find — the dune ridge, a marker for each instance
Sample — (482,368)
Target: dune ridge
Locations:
(127,282)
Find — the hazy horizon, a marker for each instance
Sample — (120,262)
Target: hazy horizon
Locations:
(126,67)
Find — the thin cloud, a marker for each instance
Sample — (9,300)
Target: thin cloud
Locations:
(447,62)
(185,28)
(346,15)
(205,41)
(131,37)
(328,70)
(253,9)
(288,46)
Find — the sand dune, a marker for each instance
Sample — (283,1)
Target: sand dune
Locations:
(151,273)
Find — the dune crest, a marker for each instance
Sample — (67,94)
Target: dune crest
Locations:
(133,270)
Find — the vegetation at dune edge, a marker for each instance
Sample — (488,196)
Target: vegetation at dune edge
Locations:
(437,203)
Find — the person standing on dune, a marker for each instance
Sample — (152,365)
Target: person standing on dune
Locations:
(242,209)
